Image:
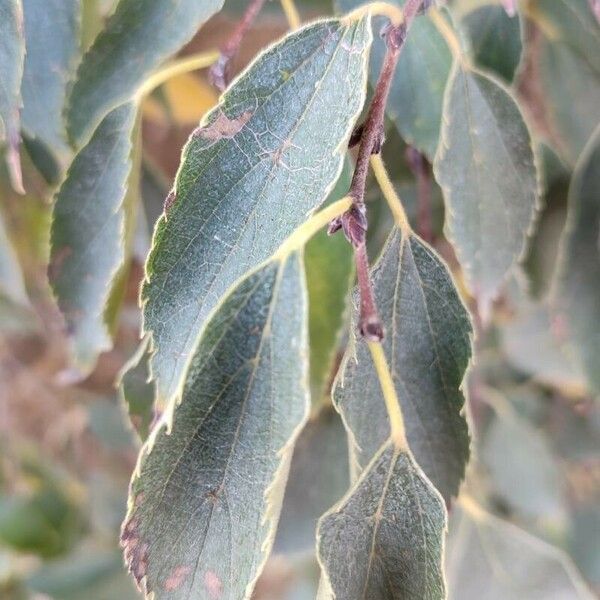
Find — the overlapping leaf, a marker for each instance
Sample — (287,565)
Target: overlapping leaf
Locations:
(52,37)
(87,233)
(385,539)
(580,269)
(12,53)
(492,559)
(137,38)
(319,477)
(208,488)
(428,347)
(569,70)
(250,174)
(416,96)
(495,39)
(485,166)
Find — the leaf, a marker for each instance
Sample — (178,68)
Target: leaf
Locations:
(137,391)
(250,174)
(12,286)
(318,479)
(210,479)
(87,233)
(417,92)
(569,71)
(12,54)
(137,38)
(329,275)
(536,343)
(492,559)
(384,540)
(521,464)
(579,275)
(428,347)
(495,40)
(52,37)
(485,167)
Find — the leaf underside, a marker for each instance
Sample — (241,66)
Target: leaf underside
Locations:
(210,479)
(428,347)
(384,541)
(485,167)
(137,38)
(86,245)
(250,174)
(580,262)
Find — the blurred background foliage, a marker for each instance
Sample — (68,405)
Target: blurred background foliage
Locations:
(67,451)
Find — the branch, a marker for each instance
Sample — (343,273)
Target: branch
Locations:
(371,135)
(422,171)
(220,72)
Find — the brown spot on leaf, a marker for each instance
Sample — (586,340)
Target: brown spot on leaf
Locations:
(213,584)
(177,577)
(169,201)
(223,127)
(135,551)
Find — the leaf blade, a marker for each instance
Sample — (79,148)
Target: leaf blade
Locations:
(253,181)
(428,347)
(137,38)
(226,453)
(393,522)
(489,213)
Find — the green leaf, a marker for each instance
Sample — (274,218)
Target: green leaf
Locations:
(579,277)
(492,559)
(12,286)
(536,343)
(428,347)
(12,54)
(485,167)
(318,479)
(137,38)
(210,479)
(329,275)
(569,71)
(52,37)
(385,539)
(250,174)
(138,392)
(523,469)
(417,92)
(495,40)
(87,233)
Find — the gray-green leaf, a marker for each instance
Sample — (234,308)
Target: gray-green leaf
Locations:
(207,492)
(12,54)
(416,96)
(492,559)
(87,233)
(579,276)
(52,35)
(250,174)
(485,167)
(428,347)
(384,541)
(138,37)
(495,39)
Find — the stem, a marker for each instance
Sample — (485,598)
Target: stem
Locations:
(13,161)
(397,432)
(422,172)
(220,72)
(291,13)
(178,67)
(354,222)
